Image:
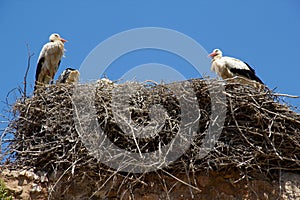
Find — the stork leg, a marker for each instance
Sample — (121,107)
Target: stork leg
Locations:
(47,79)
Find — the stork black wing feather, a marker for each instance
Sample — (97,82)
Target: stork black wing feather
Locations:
(250,74)
(251,69)
(39,67)
(58,64)
(38,70)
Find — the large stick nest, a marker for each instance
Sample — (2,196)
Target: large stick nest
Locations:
(260,136)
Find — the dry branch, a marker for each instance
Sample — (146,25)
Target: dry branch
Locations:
(27,69)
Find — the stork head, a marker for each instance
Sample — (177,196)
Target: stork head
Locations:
(56,37)
(216,52)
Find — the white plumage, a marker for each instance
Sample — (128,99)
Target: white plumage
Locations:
(49,59)
(228,67)
(104,80)
(69,76)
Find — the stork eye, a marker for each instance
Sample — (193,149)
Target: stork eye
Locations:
(216,50)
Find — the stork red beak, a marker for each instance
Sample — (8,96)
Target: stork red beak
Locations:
(63,40)
(212,54)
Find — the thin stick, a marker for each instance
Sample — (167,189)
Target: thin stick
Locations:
(27,69)
(181,181)
(286,95)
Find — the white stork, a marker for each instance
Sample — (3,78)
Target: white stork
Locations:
(228,67)
(69,76)
(49,59)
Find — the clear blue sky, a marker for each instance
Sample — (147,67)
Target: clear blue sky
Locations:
(264,33)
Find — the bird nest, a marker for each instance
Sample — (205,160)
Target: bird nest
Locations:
(259,135)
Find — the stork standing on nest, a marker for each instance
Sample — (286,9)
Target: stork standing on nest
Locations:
(49,59)
(228,67)
(69,76)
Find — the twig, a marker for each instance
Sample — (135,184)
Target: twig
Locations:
(181,181)
(286,95)
(27,69)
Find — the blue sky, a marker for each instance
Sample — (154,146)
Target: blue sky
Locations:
(265,34)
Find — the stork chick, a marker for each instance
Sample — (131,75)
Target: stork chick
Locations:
(69,76)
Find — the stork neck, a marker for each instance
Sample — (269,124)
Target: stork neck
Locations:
(216,58)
